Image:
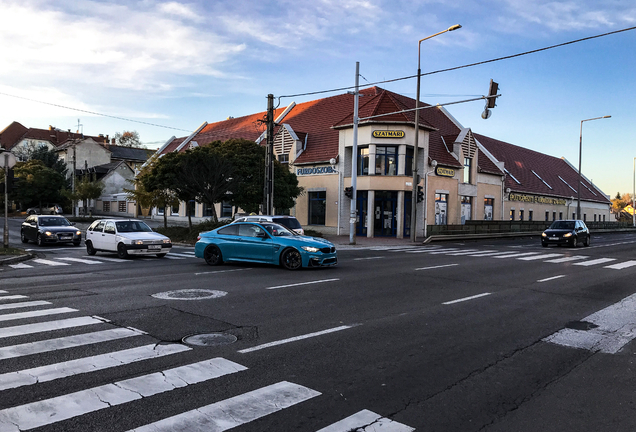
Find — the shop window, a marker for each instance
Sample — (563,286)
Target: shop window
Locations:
(191,208)
(529,215)
(441,201)
(512,215)
(174,211)
(408,160)
(363,161)
(317,207)
(467,169)
(489,205)
(160,211)
(121,207)
(467,208)
(386,159)
(106,206)
(226,209)
(208,210)
(520,215)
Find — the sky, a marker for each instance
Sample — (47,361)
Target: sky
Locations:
(162,68)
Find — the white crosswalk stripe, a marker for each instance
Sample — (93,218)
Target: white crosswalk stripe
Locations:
(27,329)
(49,262)
(540,257)
(568,259)
(80,260)
(20,266)
(595,262)
(173,257)
(622,265)
(23,304)
(13,297)
(37,313)
(184,255)
(368,420)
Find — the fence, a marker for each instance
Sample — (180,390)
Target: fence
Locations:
(496,227)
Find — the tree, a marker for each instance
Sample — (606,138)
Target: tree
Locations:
(620,202)
(85,190)
(51,159)
(37,184)
(128,139)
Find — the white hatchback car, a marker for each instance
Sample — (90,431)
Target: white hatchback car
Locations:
(286,221)
(125,237)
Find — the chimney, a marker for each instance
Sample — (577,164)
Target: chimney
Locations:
(112,141)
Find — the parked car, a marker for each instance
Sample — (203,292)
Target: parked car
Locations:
(47,209)
(125,237)
(49,229)
(566,232)
(288,221)
(264,242)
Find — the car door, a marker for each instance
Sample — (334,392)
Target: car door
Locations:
(254,243)
(109,237)
(94,233)
(29,228)
(227,239)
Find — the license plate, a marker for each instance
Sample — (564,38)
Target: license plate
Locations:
(554,238)
(154,246)
(66,237)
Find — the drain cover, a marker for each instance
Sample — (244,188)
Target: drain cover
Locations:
(210,339)
(189,294)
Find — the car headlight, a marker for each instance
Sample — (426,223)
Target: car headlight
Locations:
(48,233)
(567,235)
(167,241)
(544,235)
(310,248)
(137,242)
(78,233)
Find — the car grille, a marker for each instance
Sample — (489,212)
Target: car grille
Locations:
(328,250)
(153,242)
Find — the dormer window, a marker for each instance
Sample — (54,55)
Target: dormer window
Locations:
(467,170)
(283,158)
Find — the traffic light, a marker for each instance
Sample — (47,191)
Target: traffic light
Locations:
(420,194)
(349,192)
(492,93)
(10,180)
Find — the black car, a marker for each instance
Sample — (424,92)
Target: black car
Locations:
(566,232)
(49,229)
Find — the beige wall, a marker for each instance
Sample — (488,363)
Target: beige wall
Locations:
(312,183)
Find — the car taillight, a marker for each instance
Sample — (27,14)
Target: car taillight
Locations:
(198,237)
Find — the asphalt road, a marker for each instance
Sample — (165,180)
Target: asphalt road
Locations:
(446,337)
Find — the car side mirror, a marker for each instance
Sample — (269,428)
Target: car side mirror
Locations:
(261,234)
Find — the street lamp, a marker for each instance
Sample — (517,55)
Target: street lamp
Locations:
(417,132)
(578,187)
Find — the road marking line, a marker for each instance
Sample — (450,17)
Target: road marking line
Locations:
(186,255)
(367,418)
(302,283)
(425,250)
(69,368)
(3,292)
(369,258)
(294,339)
(37,313)
(48,345)
(622,265)
(495,253)
(235,411)
(119,260)
(49,411)
(466,298)
(80,260)
(539,257)
(23,304)
(177,257)
(49,262)
(467,252)
(436,267)
(20,266)
(516,255)
(221,271)
(551,278)
(443,251)
(568,259)
(594,262)
(13,297)
(47,326)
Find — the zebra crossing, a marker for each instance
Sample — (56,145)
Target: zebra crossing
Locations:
(46,347)
(554,258)
(93,260)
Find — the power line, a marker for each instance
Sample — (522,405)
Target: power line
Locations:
(93,112)
(464,66)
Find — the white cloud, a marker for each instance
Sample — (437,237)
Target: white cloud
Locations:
(181,10)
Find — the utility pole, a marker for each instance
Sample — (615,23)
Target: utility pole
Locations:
(354,161)
(73,178)
(268,201)
(5,237)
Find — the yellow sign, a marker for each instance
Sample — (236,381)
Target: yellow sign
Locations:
(536,199)
(388,134)
(445,172)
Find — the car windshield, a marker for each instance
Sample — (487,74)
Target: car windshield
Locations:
(132,226)
(277,230)
(290,223)
(53,221)
(562,225)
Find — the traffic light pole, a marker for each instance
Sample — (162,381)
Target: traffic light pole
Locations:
(354,162)
(5,237)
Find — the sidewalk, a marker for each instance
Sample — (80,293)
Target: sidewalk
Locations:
(342,242)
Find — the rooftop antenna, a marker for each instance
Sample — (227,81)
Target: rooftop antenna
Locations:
(80,126)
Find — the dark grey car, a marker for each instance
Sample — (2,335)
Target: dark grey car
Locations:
(49,229)
(566,232)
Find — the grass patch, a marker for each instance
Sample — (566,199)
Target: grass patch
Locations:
(181,234)
(11,251)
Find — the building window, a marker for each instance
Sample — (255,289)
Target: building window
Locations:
(226,209)
(584,217)
(467,169)
(106,206)
(283,158)
(603,218)
(208,210)
(547,215)
(553,215)
(467,208)
(363,161)
(520,215)
(594,217)
(512,215)
(441,201)
(317,207)
(489,205)
(529,215)
(121,207)
(191,208)
(408,161)
(386,159)
(560,215)
(174,211)
(573,215)
(160,211)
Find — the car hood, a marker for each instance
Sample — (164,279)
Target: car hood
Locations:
(306,241)
(550,232)
(140,235)
(59,228)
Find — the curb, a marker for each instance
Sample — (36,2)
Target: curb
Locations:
(16,259)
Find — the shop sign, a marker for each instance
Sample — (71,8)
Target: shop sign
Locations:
(315,171)
(536,199)
(388,134)
(444,172)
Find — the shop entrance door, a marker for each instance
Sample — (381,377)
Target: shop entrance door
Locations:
(385,217)
(361,213)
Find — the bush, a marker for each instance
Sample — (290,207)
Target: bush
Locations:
(182,234)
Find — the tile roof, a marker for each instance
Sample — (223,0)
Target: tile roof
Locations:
(128,153)
(533,170)
(15,132)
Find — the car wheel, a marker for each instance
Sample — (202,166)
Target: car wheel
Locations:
(121,251)
(213,256)
(575,242)
(587,241)
(76,243)
(90,249)
(161,255)
(291,259)
(39,240)
(544,244)
(31,212)
(23,237)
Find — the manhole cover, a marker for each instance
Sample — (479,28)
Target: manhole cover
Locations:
(189,294)
(580,325)
(210,339)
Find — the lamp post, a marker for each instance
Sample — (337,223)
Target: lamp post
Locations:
(413,227)
(578,186)
(634,197)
